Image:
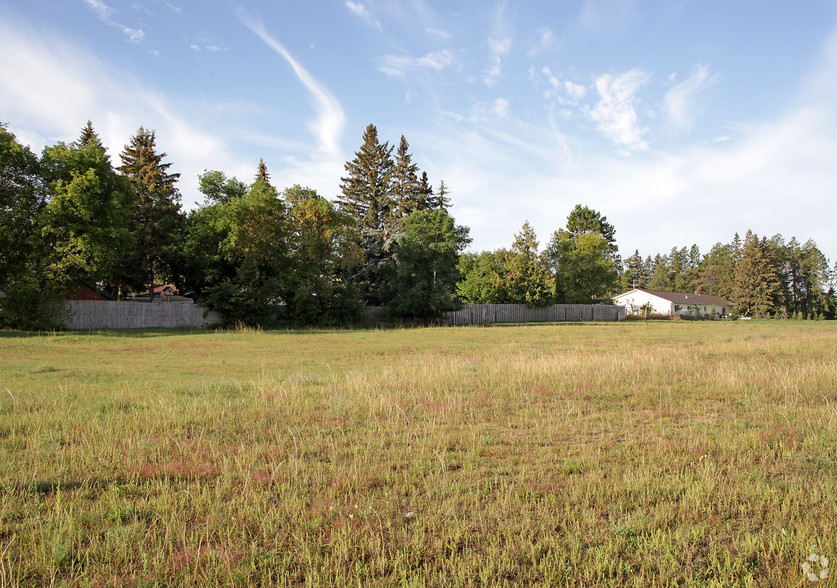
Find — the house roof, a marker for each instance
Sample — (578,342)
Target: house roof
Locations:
(684,298)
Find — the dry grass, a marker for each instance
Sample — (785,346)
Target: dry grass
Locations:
(695,454)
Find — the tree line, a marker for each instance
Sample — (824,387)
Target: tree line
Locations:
(255,254)
(260,255)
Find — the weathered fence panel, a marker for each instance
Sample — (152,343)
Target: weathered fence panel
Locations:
(480,314)
(483,314)
(130,314)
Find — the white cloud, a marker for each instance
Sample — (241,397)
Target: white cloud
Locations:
(441,33)
(117,105)
(134,35)
(615,114)
(105,14)
(544,41)
(328,127)
(360,10)
(398,66)
(680,99)
(497,49)
(437,60)
(102,10)
(500,107)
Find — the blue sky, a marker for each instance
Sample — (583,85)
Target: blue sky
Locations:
(681,121)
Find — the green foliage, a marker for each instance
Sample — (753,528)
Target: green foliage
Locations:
(263,260)
(584,258)
(217,188)
(583,270)
(528,279)
(584,220)
(756,283)
(483,278)
(22,199)
(245,253)
(378,192)
(321,243)
(426,265)
(85,223)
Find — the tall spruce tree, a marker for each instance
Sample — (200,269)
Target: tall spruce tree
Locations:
(634,275)
(407,188)
(439,201)
(756,282)
(367,193)
(156,216)
(368,198)
(262,173)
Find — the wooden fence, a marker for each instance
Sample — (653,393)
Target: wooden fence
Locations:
(129,314)
(482,314)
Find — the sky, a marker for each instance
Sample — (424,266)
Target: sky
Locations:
(682,121)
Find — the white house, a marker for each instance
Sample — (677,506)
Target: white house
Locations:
(639,301)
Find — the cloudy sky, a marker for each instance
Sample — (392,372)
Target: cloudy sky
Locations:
(683,121)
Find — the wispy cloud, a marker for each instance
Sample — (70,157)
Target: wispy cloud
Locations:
(615,113)
(102,10)
(174,8)
(398,66)
(565,92)
(544,41)
(359,9)
(497,48)
(499,44)
(441,33)
(606,17)
(680,99)
(105,14)
(328,127)
(116,103)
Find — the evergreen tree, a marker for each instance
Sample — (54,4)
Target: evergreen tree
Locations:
(584,257)
(439,201)
(583,220)
(529,280)
(661,277)
(368,198)
(88,135)
(261,174)
(634,275)
(426,270)
(407,189)
(717,272)
(156,216)
(367,193)
(426,191)
(756,283)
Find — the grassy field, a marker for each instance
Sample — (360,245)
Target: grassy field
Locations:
(632,454)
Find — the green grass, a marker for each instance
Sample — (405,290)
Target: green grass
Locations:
(633,454)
